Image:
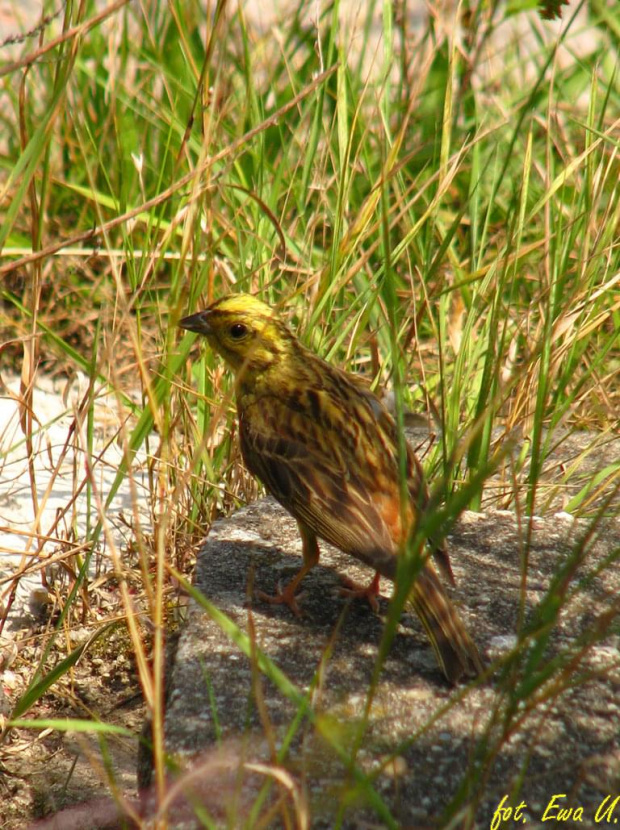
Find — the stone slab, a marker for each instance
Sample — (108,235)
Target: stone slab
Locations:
(225,720)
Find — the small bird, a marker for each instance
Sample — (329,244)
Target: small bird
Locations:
(327,449)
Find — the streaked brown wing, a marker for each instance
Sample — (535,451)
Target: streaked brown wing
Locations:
(314,482)
(416,484)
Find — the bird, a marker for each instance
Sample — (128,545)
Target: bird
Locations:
(327,449)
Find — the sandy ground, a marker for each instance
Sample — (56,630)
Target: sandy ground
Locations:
(34,497)
(45,772)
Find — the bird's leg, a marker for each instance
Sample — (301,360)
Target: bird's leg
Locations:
(370,592)
(286,596)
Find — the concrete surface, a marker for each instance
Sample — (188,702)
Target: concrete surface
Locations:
(222,717)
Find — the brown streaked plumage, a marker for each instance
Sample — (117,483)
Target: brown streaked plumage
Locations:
(327,449)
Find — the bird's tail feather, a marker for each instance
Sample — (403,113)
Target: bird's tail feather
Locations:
(455,650)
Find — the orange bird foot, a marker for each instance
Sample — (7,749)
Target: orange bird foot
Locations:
(283,597)
(369,593)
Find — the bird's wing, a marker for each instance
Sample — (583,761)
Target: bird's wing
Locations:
(314,482)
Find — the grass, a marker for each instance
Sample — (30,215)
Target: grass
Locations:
(438,217)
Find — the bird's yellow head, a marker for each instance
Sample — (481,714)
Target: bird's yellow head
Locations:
(246,332)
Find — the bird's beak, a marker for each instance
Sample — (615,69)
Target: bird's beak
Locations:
(198,323)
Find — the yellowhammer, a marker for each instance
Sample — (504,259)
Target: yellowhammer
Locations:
(327,449)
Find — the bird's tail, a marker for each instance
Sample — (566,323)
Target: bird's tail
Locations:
(441,557)
(455,650)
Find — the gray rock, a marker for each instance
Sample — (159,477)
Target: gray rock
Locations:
(227,723)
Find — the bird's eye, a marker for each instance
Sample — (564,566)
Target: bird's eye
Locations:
(238,330)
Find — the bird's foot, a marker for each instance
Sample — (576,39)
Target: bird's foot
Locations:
(368,592)
(284,596)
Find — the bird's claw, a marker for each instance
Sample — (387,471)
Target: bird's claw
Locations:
(353,590)
(284,596)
